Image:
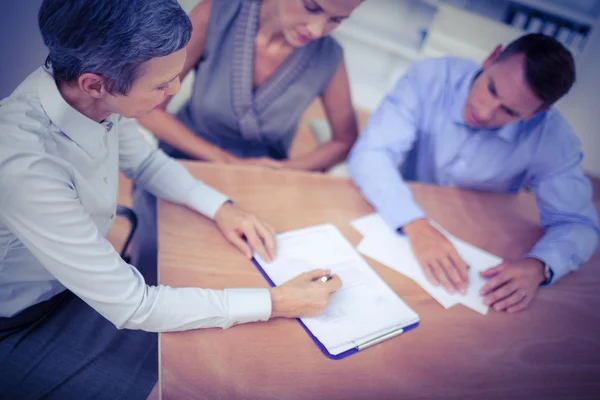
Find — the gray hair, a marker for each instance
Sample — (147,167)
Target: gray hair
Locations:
(111,38)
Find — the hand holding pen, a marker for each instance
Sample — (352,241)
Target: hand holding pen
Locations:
(304,296)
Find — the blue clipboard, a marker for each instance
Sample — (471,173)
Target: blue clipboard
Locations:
(320,345)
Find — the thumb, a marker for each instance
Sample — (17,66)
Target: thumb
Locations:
(488,273)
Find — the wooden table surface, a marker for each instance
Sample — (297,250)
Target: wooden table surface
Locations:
(549,351)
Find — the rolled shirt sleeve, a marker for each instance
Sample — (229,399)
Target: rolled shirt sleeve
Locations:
(39,204)
(161,175)
(374,161)
(564,199)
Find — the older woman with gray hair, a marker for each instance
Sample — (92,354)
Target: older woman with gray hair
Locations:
(77,321)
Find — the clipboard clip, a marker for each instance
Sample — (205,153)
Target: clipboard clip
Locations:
(379,339)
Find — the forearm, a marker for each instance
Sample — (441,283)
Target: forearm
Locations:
(380,182)
(166,309)
(564,198)
(46,215)
(167,179)
(170,130)
(322,158)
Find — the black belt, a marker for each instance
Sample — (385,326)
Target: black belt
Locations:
(32,314)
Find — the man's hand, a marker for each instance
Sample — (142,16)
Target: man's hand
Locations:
(438,258)
(304,296)
(264,162)
(512,286)
(237,225)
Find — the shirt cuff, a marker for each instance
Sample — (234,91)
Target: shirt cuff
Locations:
(402,215)
(554,261)
(206,200)
(248,305)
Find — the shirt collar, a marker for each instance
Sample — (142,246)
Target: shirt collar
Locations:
(85,132)
(462,89)
(509,132)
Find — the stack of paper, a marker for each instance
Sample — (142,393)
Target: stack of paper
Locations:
(364,309)
(394,251)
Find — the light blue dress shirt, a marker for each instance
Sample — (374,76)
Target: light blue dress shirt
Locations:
(58,197)
(418,133)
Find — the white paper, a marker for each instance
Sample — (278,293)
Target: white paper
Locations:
(365,307)
(394,251)
(372,223)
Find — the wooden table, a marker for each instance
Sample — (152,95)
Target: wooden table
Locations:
(549,351)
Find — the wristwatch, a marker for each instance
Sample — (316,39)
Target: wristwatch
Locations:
(548,274)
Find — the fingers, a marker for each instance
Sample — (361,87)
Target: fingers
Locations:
(514,299)
(446,274)
(269,163)
(455,270)
(317,274)
(461,267)
(256,162)
(451,272)
(440,272)
(430,274)
(333,284)
(304,296)
(273,233)
(519,306)
(270,228)
(240,244)
(494,283)
(439,260)
(498,296)
(264,162)
(489,273)
(267,236)
(256,243)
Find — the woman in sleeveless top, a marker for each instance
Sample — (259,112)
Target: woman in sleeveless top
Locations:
(259,64)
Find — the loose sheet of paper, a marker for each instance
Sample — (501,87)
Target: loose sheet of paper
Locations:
(393,250)
(364,308)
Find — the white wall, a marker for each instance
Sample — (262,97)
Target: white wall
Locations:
(381,39)
(21,47)
(22,51)
(582,105)
(187,5)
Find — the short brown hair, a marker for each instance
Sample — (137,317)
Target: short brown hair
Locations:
(549,66)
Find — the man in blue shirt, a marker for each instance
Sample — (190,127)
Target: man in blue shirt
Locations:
(451,122)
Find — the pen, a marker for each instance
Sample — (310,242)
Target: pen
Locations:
(325,278)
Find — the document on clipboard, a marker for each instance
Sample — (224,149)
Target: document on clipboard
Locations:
(364,312)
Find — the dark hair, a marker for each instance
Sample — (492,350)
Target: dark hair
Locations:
(112,38)
(549,66)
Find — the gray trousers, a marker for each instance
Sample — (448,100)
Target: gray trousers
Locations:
(63,349)
(144,247)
